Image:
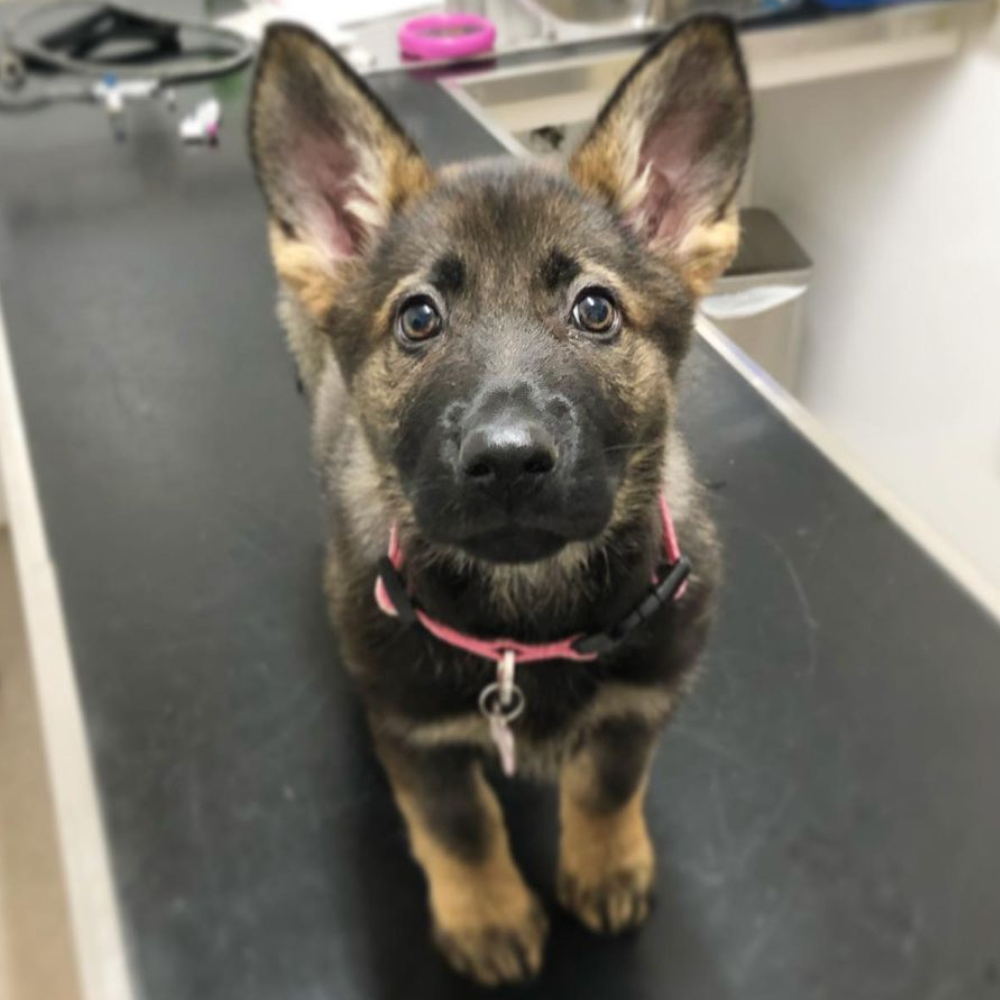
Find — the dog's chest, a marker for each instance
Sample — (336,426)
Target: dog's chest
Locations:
(545,732)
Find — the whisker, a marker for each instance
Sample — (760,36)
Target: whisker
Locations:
(635,445)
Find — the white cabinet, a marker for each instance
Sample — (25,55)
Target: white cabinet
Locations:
(889,179)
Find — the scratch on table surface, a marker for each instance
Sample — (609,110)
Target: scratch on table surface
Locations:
(255,540)
(720,812)
(819,537)
(288,718)
(704,741)
(710,868)
(947,990)
(812,625)
(762,829)
(763,933)
(130,406)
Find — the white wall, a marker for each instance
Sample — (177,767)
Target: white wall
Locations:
(892,182)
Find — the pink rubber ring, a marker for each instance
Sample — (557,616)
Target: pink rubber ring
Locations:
(446,36)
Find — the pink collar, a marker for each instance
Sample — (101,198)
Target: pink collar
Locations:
(394,599)
(501,701)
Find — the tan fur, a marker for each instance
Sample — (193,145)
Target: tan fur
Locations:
(384,316)
(596,169)
(606,860)
(634,303)
(476,906)
(708,250)
(308,295)
(408,176)
(312,279)
(305,270)
(601,169)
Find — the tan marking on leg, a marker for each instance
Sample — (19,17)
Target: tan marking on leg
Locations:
(487,923)
(606,860)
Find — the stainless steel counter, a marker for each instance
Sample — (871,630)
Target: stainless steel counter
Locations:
(782,49)
(570,87)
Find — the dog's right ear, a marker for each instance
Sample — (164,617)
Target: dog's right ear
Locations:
(332,162)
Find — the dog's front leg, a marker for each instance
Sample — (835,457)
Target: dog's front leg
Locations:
(487,923)
(606,861)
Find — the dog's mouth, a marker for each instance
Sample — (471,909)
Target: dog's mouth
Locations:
(514,544)
(509,535)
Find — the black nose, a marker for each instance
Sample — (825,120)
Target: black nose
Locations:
(508,451)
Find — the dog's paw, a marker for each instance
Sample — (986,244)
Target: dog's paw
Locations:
(611,903)
(495,953)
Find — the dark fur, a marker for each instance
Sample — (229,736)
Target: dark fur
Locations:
(500,247)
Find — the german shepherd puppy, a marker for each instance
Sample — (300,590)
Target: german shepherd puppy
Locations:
(491,353)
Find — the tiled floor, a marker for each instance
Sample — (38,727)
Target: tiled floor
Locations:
(35,955)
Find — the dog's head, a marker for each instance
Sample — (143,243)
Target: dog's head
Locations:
(509,334)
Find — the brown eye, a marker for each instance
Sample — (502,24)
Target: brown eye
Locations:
(595,312)
(419,320)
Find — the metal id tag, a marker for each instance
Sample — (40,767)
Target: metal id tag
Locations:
(501,702)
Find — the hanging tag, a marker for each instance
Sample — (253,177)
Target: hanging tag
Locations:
(500,715)
(503,740)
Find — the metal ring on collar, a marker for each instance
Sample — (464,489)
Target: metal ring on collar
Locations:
(508,714)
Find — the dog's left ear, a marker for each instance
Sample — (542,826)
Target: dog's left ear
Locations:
(669,148)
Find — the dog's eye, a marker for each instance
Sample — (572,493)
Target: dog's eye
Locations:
(419,320)
(595,312)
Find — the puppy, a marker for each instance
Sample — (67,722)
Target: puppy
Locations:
(492,356)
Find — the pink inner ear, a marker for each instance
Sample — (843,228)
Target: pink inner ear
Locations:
(673,151)
(328,174)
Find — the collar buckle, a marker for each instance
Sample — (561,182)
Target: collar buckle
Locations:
(660,594)
(395,588)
